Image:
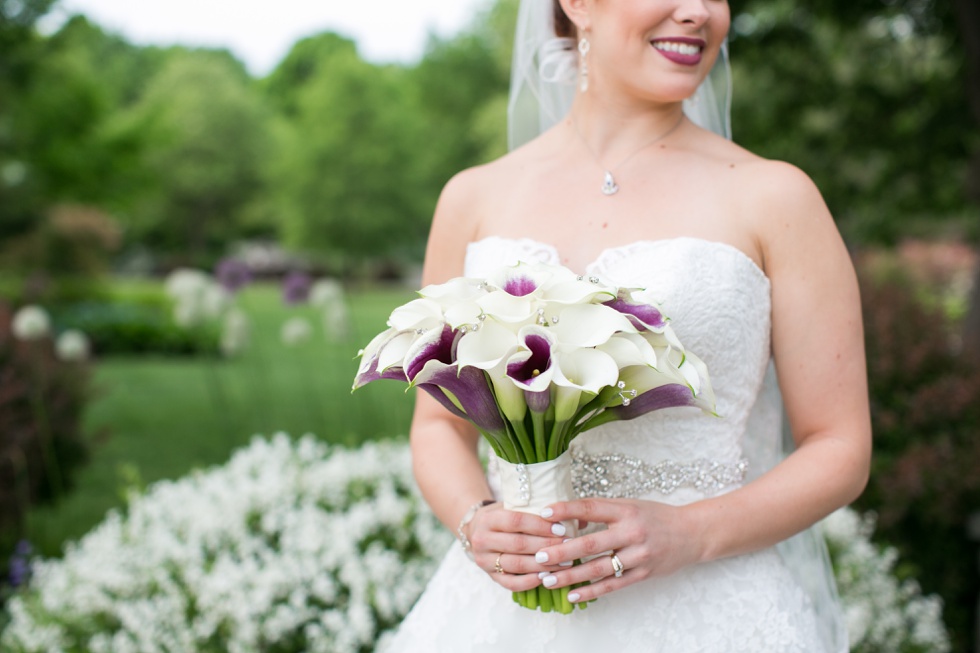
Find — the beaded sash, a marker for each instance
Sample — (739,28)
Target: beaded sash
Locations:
(614,475)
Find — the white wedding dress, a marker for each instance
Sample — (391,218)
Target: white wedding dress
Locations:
(718,301)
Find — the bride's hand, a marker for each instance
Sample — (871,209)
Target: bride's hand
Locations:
(648,539)
(504,543)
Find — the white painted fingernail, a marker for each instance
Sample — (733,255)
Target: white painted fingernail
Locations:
(567,563)
(574,596)
(558,529)
(542,574)
(567,539)
(550,581)
(541,557)
(547,512)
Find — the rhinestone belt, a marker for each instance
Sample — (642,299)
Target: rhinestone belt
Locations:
(614,475)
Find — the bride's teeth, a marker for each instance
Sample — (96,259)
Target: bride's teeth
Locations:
(680,48)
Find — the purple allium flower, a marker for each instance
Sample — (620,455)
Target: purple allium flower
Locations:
(233,274)
(20,564)
(296,287)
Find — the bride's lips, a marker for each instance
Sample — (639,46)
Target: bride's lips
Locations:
(680,49)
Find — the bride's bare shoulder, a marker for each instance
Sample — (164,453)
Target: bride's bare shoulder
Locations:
(464,205)
(476,193)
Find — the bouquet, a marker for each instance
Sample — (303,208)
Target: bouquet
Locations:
(533,356)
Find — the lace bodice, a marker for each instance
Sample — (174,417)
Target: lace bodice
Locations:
(718,302)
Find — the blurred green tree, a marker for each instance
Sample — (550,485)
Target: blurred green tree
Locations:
(866,96)
(346,180)
(206,131)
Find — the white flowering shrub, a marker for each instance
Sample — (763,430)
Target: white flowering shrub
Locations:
(288,547)
(297,546)
(883,614)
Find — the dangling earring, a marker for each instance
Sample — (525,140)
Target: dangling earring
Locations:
(583,67)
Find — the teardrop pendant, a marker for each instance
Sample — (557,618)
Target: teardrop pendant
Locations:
(609,186)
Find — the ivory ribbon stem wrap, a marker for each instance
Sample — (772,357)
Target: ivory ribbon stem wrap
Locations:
(532,487)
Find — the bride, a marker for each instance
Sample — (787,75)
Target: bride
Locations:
(633,181)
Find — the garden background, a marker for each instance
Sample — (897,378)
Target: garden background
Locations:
(120,164)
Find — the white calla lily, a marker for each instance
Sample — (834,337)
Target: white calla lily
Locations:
(395,350)
(629,349)
(522,279)
(577,372)
(487,347)
(504,307)
(509,397)
(589,325)
(416,314)
(454,291)
(465,313)
(589,370)
(578,291)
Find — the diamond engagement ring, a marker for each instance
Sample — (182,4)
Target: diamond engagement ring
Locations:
(617,565)
(496,565)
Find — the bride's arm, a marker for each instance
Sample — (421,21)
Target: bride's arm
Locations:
(818,347)
(444,447)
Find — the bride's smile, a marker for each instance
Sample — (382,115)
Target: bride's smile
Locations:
(682,50)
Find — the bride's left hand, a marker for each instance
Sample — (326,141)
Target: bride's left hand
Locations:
(649,538)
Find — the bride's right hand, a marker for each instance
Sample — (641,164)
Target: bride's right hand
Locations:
(504,543)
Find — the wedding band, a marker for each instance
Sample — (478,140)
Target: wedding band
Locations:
(496,566)
(617,565)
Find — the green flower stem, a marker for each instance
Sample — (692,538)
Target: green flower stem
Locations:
(532,599)
(556,442)
(545,599)
(524,443)
(566,606)
(540,444)
(600,418)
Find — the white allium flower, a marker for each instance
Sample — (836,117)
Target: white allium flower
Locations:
(31,323)
(326,293)
(295,331)
(186,281)
(214,300)
(73,346)
(336,322)
(197,297)
(234,332)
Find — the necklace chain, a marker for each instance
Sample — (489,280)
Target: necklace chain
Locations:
(609,185)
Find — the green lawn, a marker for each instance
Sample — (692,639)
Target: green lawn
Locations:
(158,418)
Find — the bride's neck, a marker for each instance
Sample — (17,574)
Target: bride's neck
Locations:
(609,127)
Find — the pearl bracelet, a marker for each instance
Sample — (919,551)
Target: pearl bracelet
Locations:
(467,518)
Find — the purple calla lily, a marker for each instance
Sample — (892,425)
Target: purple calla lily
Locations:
(537,402)
(469,387)
(520,285)
(524,367)
(642,316)
(434,347)
(670,395)
(381,356)
(373,374)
